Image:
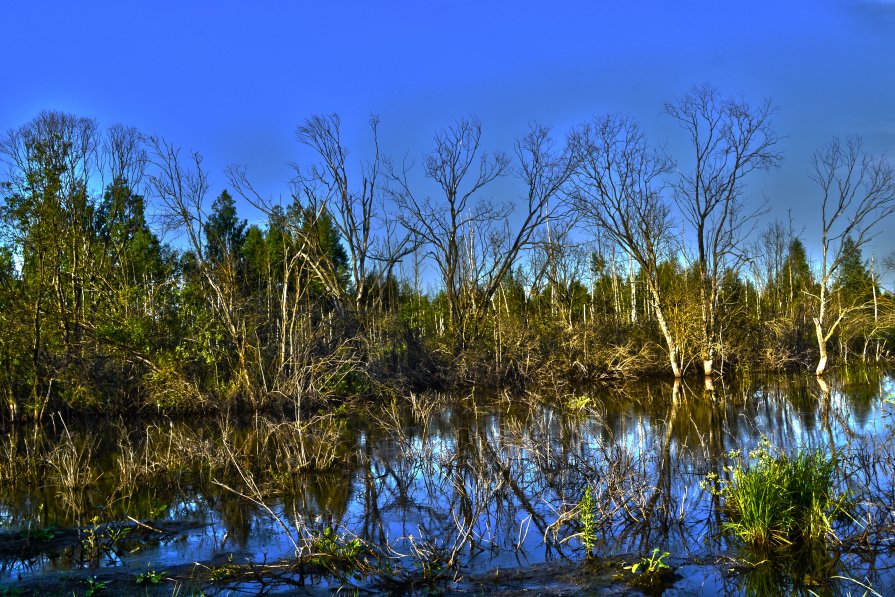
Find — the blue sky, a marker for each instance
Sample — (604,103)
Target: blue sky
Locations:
(232,80)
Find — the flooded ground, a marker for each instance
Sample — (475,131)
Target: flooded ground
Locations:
(465,494)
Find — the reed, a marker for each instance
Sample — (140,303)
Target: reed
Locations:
(782,500)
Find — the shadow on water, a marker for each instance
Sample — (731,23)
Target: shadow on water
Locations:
(457,493)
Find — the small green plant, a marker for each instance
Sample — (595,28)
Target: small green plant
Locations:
(340,557)
(91,543)
(34,531)
(650,564)
(150,577)
(651,573)
(224,572)
(41,534)
(588,521)
(157,509)
(577,403)
(99,540)
(328,546)
(94,586)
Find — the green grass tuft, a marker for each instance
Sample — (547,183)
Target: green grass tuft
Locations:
(782,500)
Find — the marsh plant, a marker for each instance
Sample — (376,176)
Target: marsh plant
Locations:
(651,573)
(588,522)
(336,553)
(651,563)
(150,577)
(780,500)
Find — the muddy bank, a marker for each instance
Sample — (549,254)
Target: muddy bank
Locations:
(224,576)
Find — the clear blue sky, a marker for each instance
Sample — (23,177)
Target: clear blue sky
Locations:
(233,79)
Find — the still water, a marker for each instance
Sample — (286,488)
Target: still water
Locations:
(467,493)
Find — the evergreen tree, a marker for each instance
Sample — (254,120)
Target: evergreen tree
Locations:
(854,280)
(225,233)
(796,277)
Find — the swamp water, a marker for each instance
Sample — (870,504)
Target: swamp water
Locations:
(448,494)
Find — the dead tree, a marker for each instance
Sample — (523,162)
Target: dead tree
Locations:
(857,193)
(472,241)
(617,190)
(730,139)
(357,209)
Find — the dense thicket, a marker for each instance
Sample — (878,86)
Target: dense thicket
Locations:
(582,274)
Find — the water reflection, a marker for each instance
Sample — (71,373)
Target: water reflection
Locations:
(477,483)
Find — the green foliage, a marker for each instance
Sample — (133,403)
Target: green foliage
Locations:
(94,586)
(854,279)
(651,573)
(42,534)
(321,240)
(796,276)
(588,521)
(101,540)
(577,403)
(782,500)
(150,577)
(99,314)
(650,564)
(329,545)
(339,556)
(224,233)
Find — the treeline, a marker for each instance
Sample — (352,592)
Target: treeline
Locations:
(612,260)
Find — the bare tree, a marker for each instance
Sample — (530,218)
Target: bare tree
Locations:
(617,186)
(327,188)
(730,139)
(858,192)
(124,161)
(330,195)
(125,155)
(471,240)
(560,262)
(357,211)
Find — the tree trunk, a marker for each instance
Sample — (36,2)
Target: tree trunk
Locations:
(822,348)
(707,356)
(669,340)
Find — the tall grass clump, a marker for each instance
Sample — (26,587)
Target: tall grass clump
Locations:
(782,500)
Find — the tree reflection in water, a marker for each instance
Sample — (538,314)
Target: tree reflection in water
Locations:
(444,485)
